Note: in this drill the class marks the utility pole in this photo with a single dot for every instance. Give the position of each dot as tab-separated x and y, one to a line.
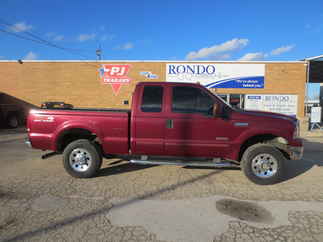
99	53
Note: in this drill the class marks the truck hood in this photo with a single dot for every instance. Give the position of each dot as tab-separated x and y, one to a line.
263	114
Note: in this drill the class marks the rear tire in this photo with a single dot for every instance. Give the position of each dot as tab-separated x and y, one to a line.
81	159
263	164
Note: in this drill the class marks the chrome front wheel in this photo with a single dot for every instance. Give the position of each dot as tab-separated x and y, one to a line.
264	165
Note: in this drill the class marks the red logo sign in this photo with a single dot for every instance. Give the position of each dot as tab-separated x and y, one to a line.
115	75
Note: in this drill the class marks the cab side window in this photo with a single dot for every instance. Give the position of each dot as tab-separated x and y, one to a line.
191	100
152	99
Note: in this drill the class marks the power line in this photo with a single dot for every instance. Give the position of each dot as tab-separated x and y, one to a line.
20	36
33	35
36	41
39	40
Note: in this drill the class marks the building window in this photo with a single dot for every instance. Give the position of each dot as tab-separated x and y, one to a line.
223	96
237	100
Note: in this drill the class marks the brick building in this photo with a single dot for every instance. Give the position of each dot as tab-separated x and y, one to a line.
272	86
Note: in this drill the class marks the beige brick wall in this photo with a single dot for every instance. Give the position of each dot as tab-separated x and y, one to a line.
72	82
78	83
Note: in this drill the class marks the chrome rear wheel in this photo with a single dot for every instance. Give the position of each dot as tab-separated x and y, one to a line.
80	159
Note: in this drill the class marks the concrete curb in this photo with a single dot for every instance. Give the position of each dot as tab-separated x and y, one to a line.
12	134
9	138
316	133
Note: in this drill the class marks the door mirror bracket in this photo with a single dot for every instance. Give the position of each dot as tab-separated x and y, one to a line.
216	110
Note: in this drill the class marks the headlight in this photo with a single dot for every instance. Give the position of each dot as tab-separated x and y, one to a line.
282	140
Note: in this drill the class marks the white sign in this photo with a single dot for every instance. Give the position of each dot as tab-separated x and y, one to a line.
218	75
315	114
285	104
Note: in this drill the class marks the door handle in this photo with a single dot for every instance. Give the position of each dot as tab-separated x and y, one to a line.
169	124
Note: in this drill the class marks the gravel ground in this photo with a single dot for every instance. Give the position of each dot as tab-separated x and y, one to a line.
39	201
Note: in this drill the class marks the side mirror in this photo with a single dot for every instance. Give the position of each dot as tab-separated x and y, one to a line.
216	110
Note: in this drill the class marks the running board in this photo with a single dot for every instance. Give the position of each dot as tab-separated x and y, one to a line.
186	163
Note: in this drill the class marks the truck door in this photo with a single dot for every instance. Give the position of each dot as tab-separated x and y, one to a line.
192	130
148	122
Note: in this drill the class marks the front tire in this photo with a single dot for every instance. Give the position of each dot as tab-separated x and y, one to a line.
81	159
263	164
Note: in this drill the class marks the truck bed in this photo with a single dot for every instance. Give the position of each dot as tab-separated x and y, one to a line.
111	126
91	109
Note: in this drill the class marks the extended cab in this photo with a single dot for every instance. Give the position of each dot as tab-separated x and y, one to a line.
170	123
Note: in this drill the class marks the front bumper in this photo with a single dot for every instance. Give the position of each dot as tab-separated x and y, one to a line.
295	152
28	143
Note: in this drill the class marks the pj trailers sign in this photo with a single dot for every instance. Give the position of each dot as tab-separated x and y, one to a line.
115	74
218	75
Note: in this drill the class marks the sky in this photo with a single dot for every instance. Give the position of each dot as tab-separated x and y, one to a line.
161	30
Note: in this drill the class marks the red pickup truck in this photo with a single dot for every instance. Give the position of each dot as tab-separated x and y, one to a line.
170	123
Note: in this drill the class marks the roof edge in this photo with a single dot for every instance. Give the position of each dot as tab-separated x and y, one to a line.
163	61
313	58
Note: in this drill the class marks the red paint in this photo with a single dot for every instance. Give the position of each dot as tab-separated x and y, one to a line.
147	133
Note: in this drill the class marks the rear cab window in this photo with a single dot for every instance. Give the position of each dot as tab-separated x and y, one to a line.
152	99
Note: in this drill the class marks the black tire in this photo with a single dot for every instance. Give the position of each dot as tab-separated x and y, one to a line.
263	164
81	159
12	121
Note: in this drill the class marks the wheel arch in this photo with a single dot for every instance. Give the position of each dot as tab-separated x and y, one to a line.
278	141
69	135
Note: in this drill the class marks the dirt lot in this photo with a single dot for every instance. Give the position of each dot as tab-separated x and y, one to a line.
40	202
